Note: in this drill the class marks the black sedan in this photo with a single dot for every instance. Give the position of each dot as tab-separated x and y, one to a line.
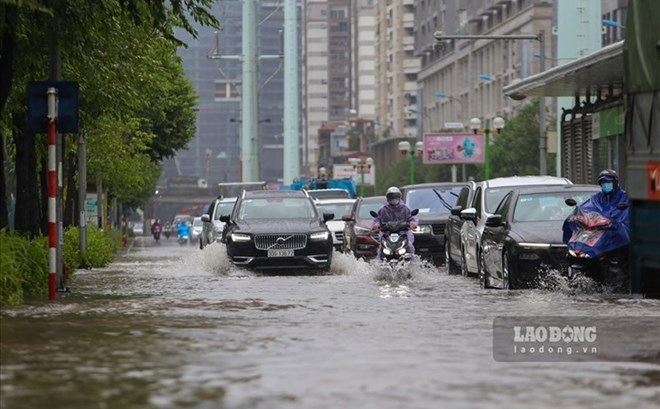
434	201
278	230
523	237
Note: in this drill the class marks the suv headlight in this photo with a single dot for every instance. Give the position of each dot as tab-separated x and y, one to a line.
422	230
238	237
322	235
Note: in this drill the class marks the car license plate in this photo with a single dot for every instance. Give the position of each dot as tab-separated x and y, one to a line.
280	253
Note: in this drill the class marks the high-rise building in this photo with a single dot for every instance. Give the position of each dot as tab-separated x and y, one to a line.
396	69
461	79
215	152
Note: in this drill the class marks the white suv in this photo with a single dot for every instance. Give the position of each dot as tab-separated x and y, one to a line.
212	227
486	198
339	207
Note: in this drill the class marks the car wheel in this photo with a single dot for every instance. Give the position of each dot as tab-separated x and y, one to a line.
451	265
506	272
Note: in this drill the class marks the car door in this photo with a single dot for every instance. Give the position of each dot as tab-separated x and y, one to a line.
469	234
454	224
494	237
349	236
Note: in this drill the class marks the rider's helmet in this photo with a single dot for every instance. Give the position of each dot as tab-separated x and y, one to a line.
608	175
393	195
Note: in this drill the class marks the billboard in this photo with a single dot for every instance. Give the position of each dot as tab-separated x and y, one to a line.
341	171
449	148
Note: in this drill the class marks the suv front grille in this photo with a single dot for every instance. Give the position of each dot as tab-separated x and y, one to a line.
280	241
438	228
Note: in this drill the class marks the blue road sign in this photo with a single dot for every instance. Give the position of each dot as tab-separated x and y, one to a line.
67	106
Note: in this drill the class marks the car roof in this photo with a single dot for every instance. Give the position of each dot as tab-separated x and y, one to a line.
335	201
515	181
258	194
434	185
557	188
373	199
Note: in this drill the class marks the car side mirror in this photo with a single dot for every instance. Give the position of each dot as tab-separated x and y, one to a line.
570	202
206	218
224	218
469	214
415	212
622	206
494	220
328	216
456	210
347	218
373	214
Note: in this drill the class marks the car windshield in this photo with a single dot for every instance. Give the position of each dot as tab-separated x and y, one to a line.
494	196
543	207
433	200
365	208
197	222
223	209
277	209
339	209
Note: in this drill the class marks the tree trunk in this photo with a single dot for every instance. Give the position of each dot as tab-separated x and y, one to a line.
4	215
9	21
28	214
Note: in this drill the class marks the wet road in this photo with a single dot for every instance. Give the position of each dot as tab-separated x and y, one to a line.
175	327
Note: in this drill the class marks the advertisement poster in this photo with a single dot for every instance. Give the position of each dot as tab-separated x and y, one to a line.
447	149
92	209
340	171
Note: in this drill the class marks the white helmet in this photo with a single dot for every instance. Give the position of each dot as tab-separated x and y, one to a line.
392	191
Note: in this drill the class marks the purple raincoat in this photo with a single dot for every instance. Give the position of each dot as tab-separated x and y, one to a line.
389	213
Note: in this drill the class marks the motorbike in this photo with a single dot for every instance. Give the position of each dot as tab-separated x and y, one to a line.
597	247
183	237
393	248
167	232
156	232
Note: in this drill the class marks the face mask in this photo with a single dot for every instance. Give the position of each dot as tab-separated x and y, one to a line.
394	202
607	187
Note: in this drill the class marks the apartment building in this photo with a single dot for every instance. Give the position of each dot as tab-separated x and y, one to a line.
396	69
461	79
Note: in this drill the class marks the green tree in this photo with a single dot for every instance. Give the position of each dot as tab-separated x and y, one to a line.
515	151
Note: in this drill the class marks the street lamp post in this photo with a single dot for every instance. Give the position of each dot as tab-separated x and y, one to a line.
361	165
404	148
475	125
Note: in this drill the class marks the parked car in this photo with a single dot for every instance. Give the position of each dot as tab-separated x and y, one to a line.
278	229
434	201
524	234
138	228
487	196
329	194
212	227
359	239
196	229
338	207
452	243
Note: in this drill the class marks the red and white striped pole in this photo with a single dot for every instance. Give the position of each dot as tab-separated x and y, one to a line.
52	194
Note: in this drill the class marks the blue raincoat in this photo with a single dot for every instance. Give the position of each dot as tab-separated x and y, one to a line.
616	236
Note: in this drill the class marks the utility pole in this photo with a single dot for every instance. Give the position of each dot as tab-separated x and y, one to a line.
250	139
291	114
543	141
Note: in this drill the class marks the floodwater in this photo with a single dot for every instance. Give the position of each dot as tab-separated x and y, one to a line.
172	326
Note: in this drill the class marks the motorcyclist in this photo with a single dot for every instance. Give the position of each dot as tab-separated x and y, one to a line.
167	229
609	202
183	229
156	228
395	210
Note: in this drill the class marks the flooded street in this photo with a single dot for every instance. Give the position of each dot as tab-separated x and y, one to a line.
171	326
